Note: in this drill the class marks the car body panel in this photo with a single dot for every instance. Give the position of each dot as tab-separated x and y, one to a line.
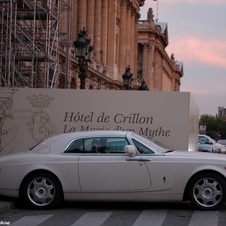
159	176
112	173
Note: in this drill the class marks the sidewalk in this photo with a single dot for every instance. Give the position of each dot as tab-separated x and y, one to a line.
6	206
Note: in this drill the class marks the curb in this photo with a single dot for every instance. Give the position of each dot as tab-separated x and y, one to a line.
6	206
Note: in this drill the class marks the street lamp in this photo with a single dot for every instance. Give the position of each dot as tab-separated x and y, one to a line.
143	86
127	78
83	52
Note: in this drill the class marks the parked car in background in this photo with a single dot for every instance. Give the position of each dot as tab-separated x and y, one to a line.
223	142
207	144
208	148
112	166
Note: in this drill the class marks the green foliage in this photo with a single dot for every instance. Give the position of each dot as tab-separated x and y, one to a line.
215	126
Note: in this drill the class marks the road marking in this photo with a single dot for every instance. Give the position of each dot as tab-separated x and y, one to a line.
31	220
92	218
204	218
151	218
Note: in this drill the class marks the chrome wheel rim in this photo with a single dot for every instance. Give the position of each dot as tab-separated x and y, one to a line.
207	192
41	191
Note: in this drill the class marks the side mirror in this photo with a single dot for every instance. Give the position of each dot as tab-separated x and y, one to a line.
130	150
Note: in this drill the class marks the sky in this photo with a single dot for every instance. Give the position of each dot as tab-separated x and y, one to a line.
197	37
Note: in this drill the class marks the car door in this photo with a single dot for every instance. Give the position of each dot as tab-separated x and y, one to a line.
161	169
111	170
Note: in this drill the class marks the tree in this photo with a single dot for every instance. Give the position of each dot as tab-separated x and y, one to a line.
215	126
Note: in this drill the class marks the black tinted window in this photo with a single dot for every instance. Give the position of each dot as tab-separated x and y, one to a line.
98	145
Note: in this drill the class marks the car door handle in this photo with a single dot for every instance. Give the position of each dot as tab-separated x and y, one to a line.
138	160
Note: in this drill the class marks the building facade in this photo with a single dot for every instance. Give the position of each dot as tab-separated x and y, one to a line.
112	27
221	112
155	67
37	45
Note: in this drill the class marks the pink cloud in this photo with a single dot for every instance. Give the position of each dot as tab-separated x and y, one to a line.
191	49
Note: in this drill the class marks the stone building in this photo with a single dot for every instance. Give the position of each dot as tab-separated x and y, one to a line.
221	112
159	71
117	35
38	36
112	26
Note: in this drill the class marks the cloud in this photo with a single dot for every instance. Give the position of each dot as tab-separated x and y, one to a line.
192	49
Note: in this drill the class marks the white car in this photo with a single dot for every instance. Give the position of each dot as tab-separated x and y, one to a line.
112	166
207	144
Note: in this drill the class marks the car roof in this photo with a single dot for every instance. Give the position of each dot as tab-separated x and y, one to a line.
96	133
60	141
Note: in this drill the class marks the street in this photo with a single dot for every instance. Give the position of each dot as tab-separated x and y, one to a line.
115	214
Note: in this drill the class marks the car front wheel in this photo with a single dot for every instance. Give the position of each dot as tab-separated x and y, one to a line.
41	191
207	191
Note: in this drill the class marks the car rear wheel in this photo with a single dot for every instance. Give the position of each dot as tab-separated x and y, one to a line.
41	191
207	191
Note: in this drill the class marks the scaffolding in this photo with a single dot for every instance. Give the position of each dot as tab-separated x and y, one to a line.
29	34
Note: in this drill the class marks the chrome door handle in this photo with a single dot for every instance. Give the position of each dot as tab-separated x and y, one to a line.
138	160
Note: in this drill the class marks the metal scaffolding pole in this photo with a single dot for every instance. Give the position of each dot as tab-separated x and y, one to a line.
29	43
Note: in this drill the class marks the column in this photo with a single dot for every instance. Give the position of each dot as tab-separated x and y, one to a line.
82	12
74	20
122	38
150	79
128	38
90	19
113	42
135	42
104	29
145	62
97	30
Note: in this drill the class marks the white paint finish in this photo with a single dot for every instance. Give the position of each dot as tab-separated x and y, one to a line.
112	173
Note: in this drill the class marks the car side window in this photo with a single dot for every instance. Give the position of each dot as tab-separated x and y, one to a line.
116	144
98	145
105	145
204	140
75	147
141	148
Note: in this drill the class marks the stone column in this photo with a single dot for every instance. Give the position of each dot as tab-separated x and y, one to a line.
122	38
135	42
90	19
63	16
82	12
150	78
113	42
157	71
128	38
97	30
145	62
74	20
104	30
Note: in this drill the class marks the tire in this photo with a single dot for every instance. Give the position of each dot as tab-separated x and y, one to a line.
207	191
41	191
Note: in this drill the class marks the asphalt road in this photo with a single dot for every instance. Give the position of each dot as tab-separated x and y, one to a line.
115	214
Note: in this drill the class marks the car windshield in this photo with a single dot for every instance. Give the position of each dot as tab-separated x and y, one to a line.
151	144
